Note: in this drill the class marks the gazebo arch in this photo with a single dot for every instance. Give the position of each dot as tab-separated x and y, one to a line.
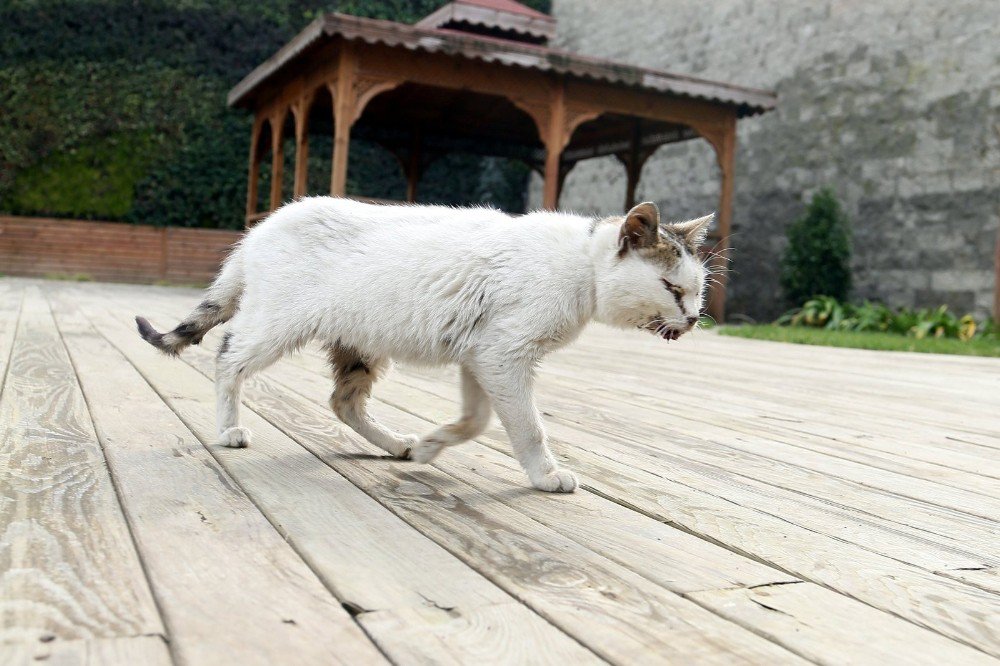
419	123
260	145
473	49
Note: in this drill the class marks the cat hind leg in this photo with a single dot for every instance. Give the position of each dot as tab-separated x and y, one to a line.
241	355
354	376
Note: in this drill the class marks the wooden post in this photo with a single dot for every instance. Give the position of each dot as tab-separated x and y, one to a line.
413	168
343	118
253	176
277	158
725	150
555	141
633	166
301	148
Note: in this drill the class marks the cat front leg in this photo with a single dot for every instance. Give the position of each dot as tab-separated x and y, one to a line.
474	420
510	387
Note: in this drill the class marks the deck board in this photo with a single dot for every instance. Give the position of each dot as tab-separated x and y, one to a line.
742	501
70	568
370	559
211	552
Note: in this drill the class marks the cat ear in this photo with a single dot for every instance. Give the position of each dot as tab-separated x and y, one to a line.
641	228
693	231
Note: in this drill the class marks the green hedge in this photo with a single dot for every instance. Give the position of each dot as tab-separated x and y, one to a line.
116	110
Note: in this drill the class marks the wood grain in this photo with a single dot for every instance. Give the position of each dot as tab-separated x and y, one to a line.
231	588
828	628
70	569
749	498
367	556
133	651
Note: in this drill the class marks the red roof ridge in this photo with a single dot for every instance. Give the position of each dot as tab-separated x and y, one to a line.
511	6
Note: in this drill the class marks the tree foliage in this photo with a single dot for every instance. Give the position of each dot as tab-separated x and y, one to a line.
817	259
115	109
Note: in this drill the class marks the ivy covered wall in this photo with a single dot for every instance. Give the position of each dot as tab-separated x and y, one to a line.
115	110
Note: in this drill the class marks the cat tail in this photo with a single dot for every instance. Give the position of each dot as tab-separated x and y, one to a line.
219	305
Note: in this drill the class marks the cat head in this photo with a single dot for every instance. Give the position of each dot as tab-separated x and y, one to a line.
655	281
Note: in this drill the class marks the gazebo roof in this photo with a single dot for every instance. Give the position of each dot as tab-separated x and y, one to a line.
501	18
503	52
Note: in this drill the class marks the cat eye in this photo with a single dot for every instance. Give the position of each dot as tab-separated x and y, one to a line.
672	288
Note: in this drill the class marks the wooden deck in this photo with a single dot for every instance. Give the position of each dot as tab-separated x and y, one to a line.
742	501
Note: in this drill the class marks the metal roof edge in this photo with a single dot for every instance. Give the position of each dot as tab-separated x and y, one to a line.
308	36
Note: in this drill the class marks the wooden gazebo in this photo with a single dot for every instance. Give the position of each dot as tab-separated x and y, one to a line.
476	76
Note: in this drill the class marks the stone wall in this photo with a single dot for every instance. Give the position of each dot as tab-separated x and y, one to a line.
894	104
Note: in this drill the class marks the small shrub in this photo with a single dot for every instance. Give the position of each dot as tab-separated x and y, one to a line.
828	313
817	259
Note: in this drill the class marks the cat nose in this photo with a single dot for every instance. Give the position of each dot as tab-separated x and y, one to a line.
692	321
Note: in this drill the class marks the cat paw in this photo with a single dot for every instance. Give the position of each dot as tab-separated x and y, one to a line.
559	481
403	449
235	438
426	450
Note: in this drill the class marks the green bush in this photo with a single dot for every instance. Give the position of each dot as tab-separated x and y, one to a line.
111	109
828	313
817	259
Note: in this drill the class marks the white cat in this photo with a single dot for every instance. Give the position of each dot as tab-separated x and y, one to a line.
491	292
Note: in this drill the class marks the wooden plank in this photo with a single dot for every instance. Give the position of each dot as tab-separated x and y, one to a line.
931	399
622	393
70	568
959	518
832	514
963	613
682	562
987	578
367	556
887	423
206	547
960	612
823	627
621	616
11	296
144	650
822	393
891	425
875	374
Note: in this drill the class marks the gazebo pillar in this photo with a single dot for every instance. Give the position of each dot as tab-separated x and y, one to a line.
277	158
725	150
343	118
301	112
555	140
633	167
253	176
633	160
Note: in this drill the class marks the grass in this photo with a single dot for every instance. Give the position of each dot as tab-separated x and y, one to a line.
877	341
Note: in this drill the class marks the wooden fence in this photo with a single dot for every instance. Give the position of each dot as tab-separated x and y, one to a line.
110	251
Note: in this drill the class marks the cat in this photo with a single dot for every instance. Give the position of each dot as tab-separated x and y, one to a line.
491	292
